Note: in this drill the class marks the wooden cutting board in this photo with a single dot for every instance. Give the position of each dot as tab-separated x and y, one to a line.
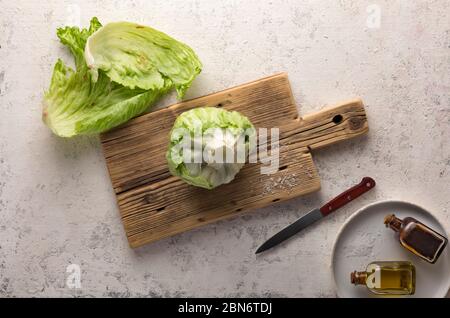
154	204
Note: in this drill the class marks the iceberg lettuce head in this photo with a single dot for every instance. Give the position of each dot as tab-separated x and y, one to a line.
209	146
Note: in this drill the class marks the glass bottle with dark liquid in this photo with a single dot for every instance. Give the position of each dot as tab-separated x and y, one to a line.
387	278
417	237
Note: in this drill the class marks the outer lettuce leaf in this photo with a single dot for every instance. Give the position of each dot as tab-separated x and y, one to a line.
198	121
74	104
141	57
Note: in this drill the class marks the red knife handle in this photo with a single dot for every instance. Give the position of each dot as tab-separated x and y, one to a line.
366	184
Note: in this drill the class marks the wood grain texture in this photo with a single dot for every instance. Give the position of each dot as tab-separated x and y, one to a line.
154	204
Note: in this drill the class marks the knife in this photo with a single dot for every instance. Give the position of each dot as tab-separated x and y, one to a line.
365	185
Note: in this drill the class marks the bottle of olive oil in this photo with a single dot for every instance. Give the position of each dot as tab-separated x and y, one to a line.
417	237
387	278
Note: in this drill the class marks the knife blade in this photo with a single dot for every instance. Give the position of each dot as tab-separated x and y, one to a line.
313	216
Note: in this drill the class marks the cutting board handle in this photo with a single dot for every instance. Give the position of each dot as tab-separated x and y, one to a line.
328	126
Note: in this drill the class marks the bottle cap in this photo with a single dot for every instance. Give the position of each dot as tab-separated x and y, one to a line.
388	219
393	222
353	277
358	278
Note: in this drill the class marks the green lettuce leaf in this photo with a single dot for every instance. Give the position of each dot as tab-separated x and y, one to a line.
75	104
137	56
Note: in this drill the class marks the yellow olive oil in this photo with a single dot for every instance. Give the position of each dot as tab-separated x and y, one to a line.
387	278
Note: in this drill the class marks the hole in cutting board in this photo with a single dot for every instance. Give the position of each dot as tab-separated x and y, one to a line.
276	200
337	119
160	209
223	103
283	168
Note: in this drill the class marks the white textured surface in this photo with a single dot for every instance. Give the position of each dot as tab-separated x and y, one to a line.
56	203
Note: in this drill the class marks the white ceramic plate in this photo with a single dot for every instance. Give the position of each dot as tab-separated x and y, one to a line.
364	238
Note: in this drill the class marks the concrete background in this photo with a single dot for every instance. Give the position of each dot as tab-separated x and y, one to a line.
56	203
